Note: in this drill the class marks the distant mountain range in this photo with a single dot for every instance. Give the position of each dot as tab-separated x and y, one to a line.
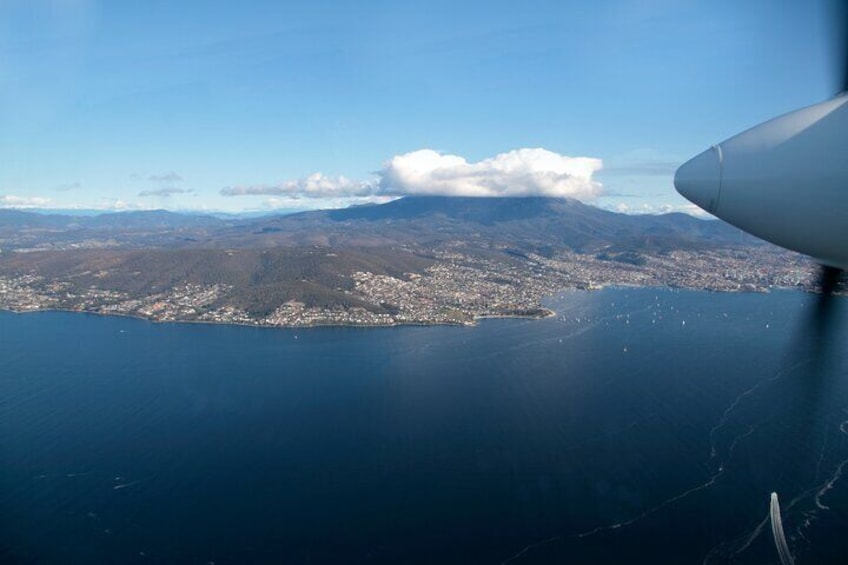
535	223
146	219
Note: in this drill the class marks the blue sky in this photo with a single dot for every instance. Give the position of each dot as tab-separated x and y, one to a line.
251	105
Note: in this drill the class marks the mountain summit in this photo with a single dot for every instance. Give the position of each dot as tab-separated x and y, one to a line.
529	222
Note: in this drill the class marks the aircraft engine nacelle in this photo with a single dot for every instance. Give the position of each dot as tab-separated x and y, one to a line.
785	181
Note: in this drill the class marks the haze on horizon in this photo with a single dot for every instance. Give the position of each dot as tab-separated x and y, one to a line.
248	106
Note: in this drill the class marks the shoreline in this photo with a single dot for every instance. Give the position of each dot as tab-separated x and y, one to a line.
548	313
544	312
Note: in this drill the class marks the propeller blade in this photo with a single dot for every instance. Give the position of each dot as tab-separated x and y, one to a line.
777	532
840	44
817	332
829	279
828	283
813	349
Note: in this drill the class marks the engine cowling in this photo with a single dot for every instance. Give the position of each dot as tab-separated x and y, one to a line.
785	181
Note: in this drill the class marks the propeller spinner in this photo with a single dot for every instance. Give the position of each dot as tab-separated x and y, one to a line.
785	181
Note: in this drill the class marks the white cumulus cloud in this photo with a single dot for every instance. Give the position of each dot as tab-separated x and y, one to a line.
521	172
118	205
166	192
170	177
12	201
648	208
315	185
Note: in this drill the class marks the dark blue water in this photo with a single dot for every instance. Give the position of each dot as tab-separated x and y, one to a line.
636	426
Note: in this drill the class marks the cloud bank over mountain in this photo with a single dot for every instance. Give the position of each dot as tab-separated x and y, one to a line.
521	172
